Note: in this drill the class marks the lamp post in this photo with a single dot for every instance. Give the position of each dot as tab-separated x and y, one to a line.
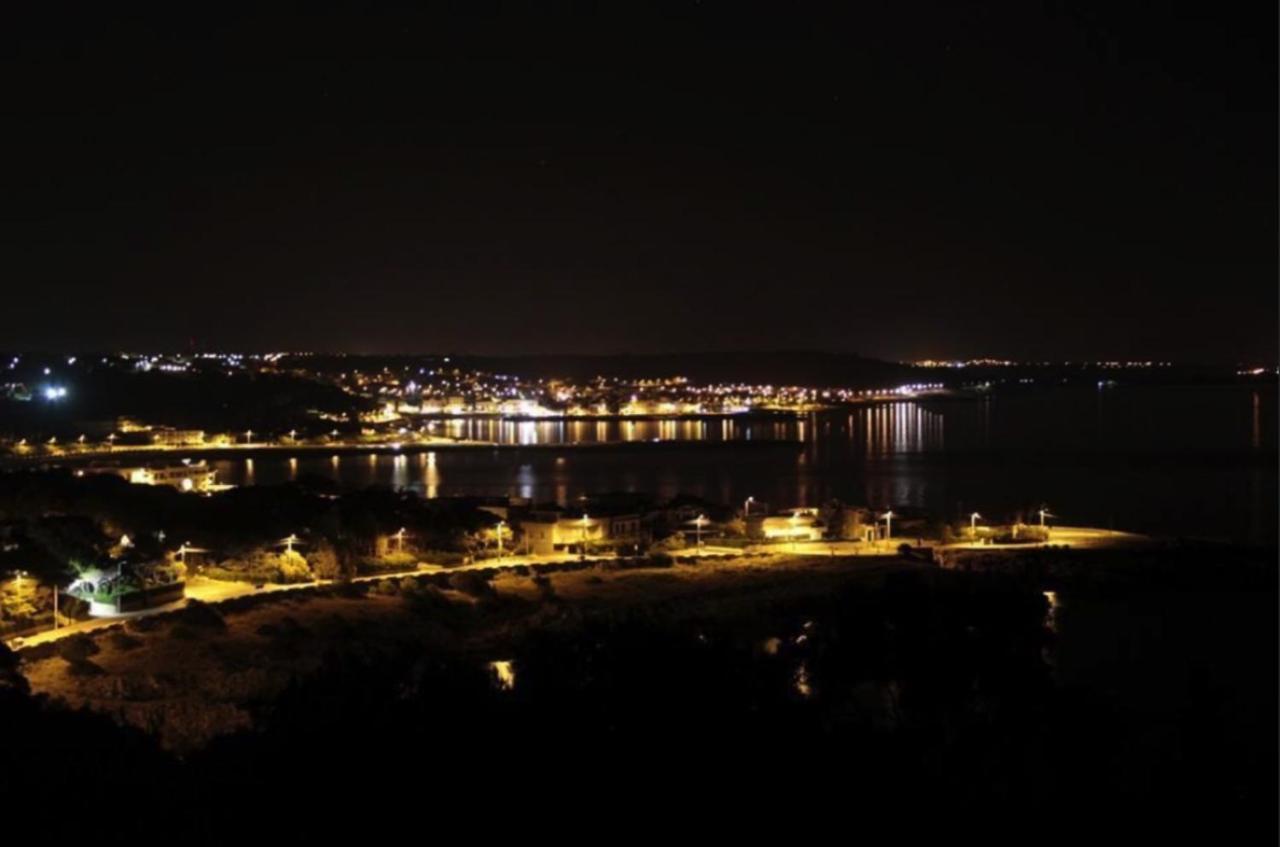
698	522
888	523
1044	513
399	537
289	542
794	520
498	529
746	507
973	524
582	548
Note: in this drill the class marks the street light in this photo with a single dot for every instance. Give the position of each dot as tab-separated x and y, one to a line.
794	520
698	523
888	523
399	537
498	529
582	550
746	506
1045	513
973	524
289	542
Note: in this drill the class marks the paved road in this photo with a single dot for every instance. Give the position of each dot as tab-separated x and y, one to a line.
218	591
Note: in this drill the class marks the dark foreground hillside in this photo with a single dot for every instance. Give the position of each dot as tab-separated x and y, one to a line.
1140	702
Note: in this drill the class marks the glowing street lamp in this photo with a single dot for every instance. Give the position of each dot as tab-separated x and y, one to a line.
187	548
498	530
746	507
698	523
399	537
1045	513
248	436
582	550
973	523
888	523
289	542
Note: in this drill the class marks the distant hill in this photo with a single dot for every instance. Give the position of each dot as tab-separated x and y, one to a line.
775	368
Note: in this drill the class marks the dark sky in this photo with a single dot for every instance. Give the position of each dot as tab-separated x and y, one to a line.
899	179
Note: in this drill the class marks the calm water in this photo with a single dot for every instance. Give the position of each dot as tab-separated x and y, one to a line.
1194	461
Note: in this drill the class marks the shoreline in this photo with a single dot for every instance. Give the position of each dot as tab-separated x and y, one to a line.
287	450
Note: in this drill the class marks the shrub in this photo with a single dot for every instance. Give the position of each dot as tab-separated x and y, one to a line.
386	587
123	641
84	667
78	648
184	632
473	583
200	615
546	590
292	567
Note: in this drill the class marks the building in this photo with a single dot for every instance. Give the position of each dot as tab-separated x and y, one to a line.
188	476
177	437
545	532
794	525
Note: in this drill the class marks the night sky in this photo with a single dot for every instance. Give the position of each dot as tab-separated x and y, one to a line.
900	180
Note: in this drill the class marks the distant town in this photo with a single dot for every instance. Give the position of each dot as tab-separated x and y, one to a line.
99	405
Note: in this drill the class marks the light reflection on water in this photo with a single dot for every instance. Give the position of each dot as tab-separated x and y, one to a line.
895	427
1000	455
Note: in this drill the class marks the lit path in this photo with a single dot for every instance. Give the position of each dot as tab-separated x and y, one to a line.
215	591
1073	536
